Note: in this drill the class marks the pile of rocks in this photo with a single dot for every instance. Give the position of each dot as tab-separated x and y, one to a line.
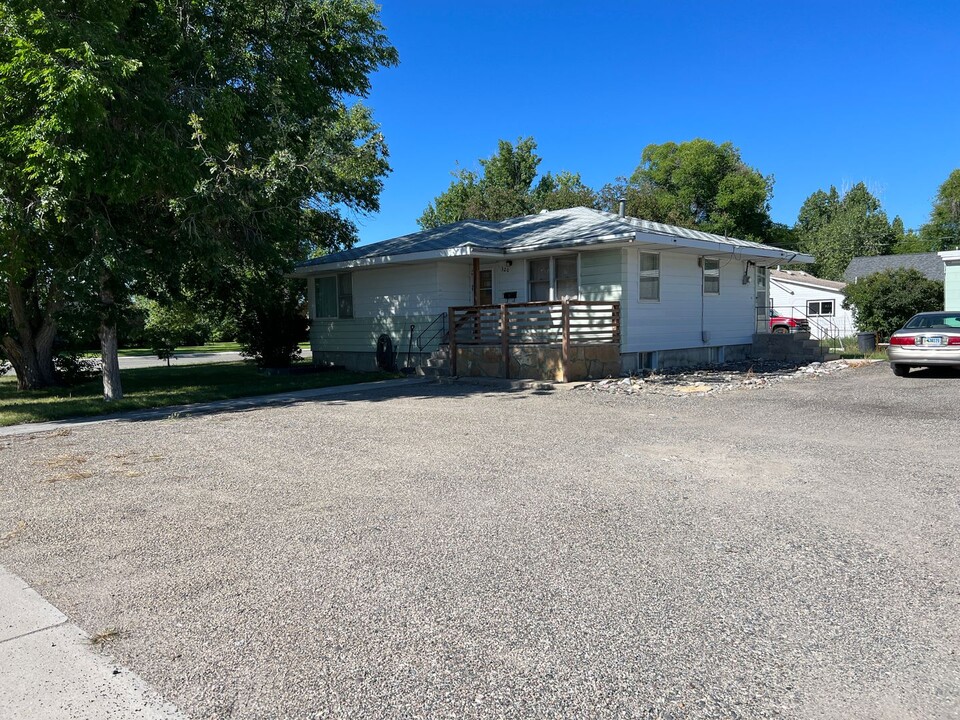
680	382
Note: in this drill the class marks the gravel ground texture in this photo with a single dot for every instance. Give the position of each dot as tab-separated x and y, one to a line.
456	551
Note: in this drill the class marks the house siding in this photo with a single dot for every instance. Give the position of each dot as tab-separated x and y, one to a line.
388	301
951	286
675	321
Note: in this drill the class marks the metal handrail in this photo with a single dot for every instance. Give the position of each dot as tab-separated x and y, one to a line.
826	327
439	331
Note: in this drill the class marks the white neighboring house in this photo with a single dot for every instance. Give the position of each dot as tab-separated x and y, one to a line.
794	293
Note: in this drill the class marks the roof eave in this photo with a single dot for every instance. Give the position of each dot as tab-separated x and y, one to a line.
467	250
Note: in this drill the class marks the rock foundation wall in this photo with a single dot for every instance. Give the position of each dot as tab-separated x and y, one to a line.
539	362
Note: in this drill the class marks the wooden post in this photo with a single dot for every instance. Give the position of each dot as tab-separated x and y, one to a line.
453	341
476	281
476	299
505	340
565	343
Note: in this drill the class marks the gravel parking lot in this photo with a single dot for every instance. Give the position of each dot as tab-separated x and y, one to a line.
454	551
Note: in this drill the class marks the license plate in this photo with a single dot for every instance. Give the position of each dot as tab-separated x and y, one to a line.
933	341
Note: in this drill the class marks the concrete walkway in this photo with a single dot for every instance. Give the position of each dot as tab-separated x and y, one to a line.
49	669
234	405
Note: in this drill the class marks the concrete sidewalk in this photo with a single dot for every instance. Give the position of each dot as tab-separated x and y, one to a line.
49	669
234	405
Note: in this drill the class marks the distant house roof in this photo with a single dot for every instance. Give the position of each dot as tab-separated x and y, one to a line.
802	278
572	227
929	264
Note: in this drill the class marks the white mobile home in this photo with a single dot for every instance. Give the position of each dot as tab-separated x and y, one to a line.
797	294
608	293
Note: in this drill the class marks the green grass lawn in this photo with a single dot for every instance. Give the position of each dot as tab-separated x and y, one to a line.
158	387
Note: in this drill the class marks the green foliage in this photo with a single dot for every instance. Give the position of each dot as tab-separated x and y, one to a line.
273	320
884	301
942	232
506	189
697	184
836	228
150	147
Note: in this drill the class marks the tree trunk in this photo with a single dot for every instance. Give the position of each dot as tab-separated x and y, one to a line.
112	389
29	346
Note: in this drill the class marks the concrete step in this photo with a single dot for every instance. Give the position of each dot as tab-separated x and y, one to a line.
437	372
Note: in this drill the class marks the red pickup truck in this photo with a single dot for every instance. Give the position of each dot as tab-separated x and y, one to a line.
782	325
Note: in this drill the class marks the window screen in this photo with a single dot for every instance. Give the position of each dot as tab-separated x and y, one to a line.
325	289
649	276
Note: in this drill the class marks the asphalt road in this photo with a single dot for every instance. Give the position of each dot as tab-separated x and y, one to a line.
458	552
193	358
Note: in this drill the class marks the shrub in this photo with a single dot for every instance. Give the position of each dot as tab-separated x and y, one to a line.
73	369
273	322
884	301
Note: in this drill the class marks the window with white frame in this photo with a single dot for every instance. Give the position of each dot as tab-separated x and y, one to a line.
553	278
565	272
711	276
649	277
325	297
333	296
344	295
820	308
539	280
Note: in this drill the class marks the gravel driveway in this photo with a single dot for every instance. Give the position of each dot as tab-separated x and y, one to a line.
452	551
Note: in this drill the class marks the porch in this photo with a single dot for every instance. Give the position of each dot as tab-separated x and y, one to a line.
561	340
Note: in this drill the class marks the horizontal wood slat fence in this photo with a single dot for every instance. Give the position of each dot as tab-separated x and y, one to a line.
563	323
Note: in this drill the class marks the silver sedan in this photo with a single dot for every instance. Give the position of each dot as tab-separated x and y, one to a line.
928	339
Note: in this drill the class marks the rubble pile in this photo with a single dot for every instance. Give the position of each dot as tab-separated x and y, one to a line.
754	374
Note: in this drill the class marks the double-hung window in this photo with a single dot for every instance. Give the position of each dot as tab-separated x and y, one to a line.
711	276
539	280
553	278
333	296
649	277
567	285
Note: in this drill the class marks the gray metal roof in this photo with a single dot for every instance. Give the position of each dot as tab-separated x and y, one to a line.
799	276
929	264
556	228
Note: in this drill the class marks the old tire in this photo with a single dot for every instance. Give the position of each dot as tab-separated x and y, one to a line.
781	330
900	370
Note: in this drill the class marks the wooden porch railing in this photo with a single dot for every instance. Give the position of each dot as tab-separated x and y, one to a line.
563	323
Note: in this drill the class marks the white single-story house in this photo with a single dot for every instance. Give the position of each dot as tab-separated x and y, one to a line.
951	279
575	292
794	293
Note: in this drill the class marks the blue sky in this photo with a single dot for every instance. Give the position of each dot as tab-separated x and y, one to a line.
815	93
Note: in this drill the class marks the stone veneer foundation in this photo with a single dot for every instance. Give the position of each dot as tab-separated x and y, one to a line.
539	362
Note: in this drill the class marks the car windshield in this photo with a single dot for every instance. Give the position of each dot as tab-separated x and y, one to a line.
936	321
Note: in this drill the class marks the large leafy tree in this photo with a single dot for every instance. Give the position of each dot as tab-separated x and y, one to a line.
505	188
697	184
884	301
942	232
835	228
149	145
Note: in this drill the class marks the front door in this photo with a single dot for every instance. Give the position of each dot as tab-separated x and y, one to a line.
485	288
762	289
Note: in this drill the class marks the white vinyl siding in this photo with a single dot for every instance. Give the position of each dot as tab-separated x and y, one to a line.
675	321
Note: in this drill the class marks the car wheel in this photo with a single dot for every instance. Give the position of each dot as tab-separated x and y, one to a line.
900	370
781	330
